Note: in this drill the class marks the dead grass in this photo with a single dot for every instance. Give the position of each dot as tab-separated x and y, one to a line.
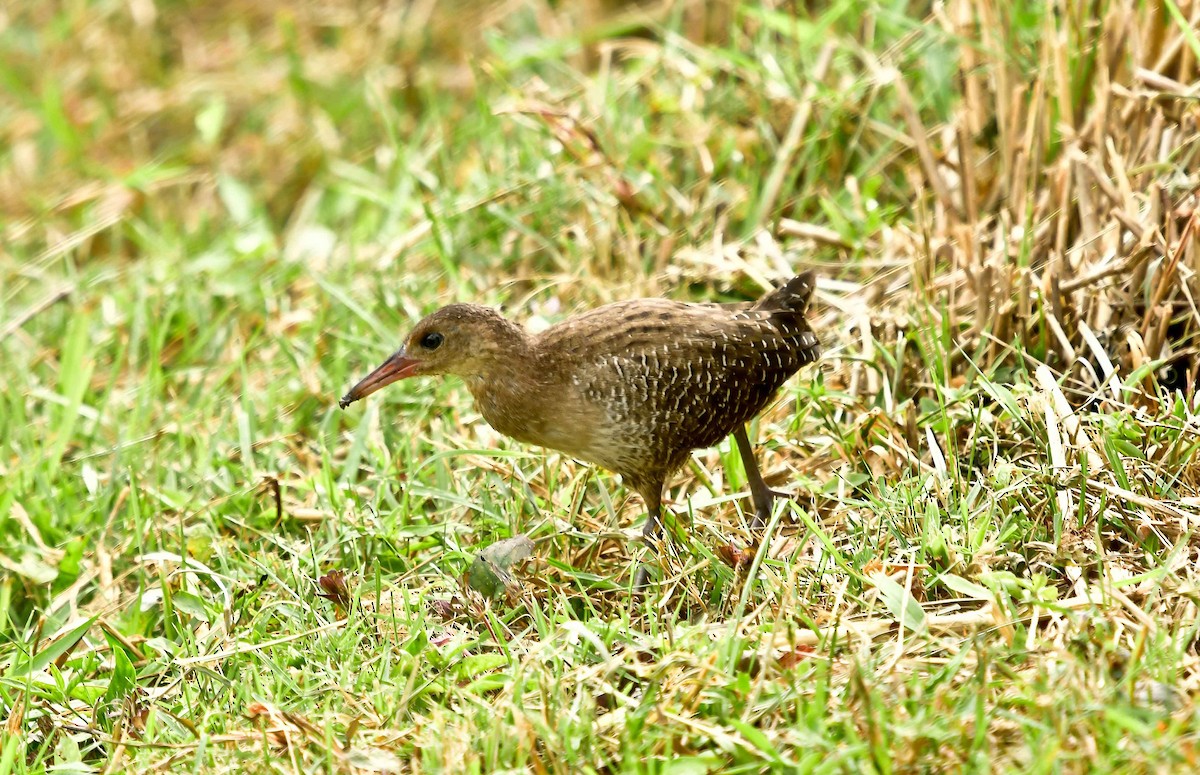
214	216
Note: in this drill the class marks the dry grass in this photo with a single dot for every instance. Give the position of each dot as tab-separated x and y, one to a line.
216	216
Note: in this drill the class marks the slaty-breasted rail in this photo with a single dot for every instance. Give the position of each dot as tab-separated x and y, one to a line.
633	386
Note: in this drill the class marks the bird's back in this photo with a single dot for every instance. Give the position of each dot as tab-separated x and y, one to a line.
668	377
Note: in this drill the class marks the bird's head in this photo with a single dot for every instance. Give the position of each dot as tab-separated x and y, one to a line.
465	340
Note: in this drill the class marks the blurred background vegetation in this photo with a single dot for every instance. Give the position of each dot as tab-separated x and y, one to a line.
214	216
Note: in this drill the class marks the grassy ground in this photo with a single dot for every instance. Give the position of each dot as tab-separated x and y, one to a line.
217	216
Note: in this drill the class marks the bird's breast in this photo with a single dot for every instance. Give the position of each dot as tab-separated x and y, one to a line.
551	416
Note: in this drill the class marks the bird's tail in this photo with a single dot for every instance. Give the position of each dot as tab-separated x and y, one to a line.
792	296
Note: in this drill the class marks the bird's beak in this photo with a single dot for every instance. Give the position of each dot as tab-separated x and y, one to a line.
392	370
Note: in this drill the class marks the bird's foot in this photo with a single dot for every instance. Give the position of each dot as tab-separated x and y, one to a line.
762	514
641	579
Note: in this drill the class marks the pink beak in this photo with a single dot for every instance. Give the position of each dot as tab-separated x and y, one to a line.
392	370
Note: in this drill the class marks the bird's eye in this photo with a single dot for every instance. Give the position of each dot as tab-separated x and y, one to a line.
432	340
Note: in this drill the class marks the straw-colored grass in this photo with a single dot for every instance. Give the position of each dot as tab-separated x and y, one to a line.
216	216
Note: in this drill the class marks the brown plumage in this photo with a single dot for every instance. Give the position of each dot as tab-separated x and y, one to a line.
633	386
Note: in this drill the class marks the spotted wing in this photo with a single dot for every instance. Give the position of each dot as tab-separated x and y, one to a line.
675	377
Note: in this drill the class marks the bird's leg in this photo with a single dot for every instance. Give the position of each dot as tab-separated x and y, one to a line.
760	493
652	494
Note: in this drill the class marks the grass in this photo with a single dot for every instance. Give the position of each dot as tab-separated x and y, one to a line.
217	218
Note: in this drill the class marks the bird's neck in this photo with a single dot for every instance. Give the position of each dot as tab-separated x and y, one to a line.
516	394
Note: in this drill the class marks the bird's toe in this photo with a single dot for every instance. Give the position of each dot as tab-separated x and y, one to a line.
641	578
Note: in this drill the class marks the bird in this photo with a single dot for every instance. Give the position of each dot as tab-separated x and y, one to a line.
632	386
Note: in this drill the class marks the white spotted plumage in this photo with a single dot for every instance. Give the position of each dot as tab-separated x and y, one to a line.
632	386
